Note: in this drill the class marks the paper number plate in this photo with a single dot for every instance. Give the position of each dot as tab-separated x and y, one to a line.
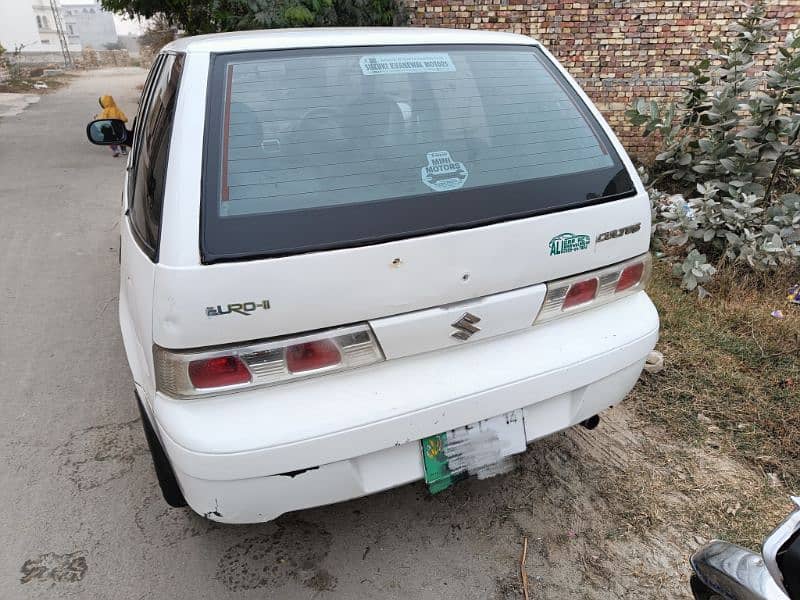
481	449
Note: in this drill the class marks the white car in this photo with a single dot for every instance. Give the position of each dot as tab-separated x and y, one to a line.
357	258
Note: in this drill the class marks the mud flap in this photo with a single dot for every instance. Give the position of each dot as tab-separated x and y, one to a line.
166	476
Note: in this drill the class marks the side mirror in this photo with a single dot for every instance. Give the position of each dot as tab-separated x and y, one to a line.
107	132
723	570
781	552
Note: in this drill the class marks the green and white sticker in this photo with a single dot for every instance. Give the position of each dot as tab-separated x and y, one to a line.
565	243
390	64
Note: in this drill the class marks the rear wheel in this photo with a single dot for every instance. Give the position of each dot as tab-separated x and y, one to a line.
164	473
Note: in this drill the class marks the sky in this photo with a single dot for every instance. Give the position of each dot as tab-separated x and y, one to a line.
124	26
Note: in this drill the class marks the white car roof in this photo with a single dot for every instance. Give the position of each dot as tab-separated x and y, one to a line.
322	37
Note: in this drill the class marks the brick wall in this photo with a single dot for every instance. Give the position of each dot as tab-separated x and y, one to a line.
618	50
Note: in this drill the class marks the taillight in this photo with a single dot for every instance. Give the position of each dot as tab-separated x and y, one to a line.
630	276
218	372
566	296
193	373
312	355
580	292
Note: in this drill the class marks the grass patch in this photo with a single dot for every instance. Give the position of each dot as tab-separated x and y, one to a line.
26	85
707	448
732	376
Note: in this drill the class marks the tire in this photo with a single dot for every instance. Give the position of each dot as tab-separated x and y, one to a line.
701	591
166	476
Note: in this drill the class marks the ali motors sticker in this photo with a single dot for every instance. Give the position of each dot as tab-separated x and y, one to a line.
443	173
390	64
568	242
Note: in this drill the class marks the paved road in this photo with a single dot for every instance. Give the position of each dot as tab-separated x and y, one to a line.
82	516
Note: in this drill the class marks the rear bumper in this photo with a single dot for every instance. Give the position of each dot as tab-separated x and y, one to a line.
358	431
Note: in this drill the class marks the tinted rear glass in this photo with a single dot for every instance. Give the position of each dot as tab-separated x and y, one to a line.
337	147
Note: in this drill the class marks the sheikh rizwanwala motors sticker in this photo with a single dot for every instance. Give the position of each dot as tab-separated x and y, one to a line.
393	64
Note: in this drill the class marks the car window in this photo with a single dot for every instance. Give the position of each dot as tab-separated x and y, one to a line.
151	151
140	116
341	146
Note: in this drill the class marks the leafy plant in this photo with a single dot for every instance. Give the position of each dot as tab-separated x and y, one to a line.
357	13
731	146
694	271
258	14
211	16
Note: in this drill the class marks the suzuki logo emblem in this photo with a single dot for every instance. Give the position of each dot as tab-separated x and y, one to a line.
466	327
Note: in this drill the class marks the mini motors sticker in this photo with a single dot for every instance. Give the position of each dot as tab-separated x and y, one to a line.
568	242
390	64
443	173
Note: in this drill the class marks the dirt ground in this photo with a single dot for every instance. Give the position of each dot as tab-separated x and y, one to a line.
609	513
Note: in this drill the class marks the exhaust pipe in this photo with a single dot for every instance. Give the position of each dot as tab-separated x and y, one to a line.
591	422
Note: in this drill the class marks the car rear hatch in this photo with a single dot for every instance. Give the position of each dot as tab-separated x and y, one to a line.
411	188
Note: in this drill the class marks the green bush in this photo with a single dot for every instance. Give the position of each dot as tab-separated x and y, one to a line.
730	150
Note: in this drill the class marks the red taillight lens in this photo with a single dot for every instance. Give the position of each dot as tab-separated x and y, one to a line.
580	293
599	287
203	372
312	355
630	276
218	372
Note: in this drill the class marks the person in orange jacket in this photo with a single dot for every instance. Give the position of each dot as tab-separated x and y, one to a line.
112	111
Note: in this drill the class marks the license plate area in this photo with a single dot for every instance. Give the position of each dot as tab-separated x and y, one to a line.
482	449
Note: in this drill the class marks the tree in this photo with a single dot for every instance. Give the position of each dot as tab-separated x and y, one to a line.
360	13
159	32
212	16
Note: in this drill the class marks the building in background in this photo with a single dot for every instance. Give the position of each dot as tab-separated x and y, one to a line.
131	44
45	25
29	26
94	25
71	31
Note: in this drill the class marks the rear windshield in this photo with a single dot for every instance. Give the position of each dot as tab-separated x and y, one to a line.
318	149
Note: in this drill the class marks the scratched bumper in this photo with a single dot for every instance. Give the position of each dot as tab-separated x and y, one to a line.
261	499
251	456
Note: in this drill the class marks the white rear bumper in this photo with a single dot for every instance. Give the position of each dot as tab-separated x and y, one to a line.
358	432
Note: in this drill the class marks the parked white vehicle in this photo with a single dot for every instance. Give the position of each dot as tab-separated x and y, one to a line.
357	258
